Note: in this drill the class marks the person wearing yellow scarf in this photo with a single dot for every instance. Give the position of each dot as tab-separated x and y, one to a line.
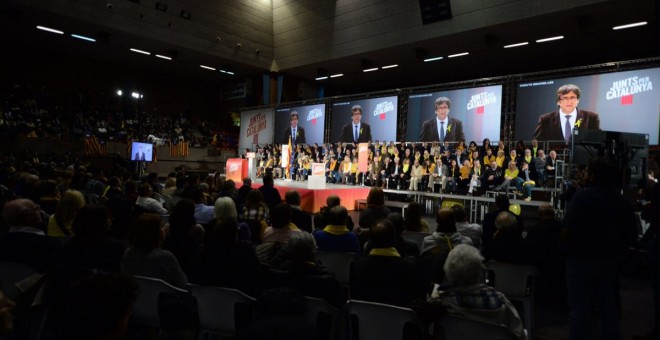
384	276
336	237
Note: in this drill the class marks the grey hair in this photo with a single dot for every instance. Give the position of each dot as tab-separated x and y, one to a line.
225	209
464	266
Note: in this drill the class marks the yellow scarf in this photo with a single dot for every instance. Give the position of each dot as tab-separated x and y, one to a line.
391	251
336	229
405	167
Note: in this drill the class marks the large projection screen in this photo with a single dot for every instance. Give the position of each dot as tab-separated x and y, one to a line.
478	109
311	119
380	113
624	101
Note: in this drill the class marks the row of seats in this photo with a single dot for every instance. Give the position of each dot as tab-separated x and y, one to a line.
217	308
515	281
221	311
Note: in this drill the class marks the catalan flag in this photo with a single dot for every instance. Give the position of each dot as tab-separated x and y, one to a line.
288	164
179	149
92	146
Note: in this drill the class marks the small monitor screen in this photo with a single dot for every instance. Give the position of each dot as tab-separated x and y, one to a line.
142	151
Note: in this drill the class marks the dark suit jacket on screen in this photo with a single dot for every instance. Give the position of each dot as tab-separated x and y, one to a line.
429	131
347	133
549	124
299	140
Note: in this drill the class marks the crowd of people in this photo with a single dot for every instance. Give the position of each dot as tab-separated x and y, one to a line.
37	113
69	221
457	168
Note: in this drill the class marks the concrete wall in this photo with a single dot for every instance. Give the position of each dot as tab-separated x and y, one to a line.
311	31
249	22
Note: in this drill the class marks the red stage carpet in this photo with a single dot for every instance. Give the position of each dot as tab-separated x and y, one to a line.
314	199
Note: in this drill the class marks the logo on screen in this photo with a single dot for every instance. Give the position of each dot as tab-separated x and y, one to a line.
313	115
257	123
480	100
624	89
382	108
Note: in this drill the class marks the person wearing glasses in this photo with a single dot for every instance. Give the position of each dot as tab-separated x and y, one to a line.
356	131
559	124
442	128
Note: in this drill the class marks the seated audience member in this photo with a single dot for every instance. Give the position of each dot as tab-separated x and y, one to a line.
321	217
49	196
489	228
375	210
475	176
90	248
144	256
95	305
413	222
186	236
255	208
300	218
383	275
7	307
145	201
507	244
241	194
464	176
301	271
121	210
405	247
465	228
26	241
438	173
453	175
468	295
203	212
445	238
539	166
282	228
510	175
550	165
225	210
270	195
524	182
543	242
336	237
228	261
170	187
416	175
60	223
492	177
332	170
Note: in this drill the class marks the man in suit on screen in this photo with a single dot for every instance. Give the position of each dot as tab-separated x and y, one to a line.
442	128
356	131
559	124
294	131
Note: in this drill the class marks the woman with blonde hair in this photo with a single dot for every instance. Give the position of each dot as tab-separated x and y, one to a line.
61	222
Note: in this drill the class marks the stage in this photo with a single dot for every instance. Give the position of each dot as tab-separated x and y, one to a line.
313	199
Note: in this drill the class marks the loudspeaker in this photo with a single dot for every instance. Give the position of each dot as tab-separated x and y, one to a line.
434	10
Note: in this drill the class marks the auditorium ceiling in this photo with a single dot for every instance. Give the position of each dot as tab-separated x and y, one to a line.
588	39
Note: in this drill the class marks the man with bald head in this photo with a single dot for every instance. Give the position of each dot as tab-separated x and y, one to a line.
26	242
446	236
